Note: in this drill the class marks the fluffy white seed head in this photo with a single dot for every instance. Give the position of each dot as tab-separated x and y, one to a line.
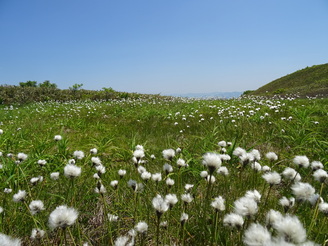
36	206
19	196
78	154
6	240
233	220
271	156
301	161
58	138
37	234
245	206
168	154
320	175
315	165
62	217
291	174
223	170
187	198
212	161
160	204
239	151
218	203
272	178
253	194
302	191
141	227
169	182
256	234
54	175
72	171
181	163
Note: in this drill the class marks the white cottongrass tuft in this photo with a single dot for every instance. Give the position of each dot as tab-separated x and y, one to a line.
223	170
253	194
233	220
239	151
323	208
287	203
271	156
146	175
167	168
184	217
72	171
171	199
291	174
204	174
37	234
245	206
320	175
93	151
222	143
62	217
8	240
301	161
272	178
266	169
139	154
187	198
112	217
302	191
19	196
212	161
168	154
114	184
156	177
96	161
78	154
272	217
256	234
21	157
141	227
54	175
218	204
291	229
188	187
58	138
256	154
36	206
121	172
160	205
315	165
169	182
42	163
256	166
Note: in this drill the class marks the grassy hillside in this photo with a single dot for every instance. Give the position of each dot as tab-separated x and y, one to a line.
309	81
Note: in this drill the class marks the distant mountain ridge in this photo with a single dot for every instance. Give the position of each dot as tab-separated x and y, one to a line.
309	81
209	95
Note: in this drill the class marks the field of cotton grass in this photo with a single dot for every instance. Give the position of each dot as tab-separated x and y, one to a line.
165	171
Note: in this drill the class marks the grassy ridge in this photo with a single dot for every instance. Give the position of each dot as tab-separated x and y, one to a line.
309	81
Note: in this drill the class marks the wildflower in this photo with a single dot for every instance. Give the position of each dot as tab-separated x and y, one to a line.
37	234
257	234
210	179
34	180
112	217
58	138
146	175
181	163
291	174
72	171
93	151
272	178
291	229
320	175
223	170
168	154
1	210
256	154
36	206
184	217
246	158
139	147
212	161
287	203
101	169
302	191
71	161
42	163
78	154
272	217
9	241
323	207
271	156
204	174
163	224
225	157
245	206
315	165
122	241
21	157
301	161
167	168
19	196
239	151
233	220
188	187
169	182
100	188
95	161
266	169
7	190
171	199
54	175
122	173
62	217
1	131
141	227
222	143
153	157
314	199
178	150
114	183
255	195
139	154
256	166
187	198
218	203
141	169
156	177
160	205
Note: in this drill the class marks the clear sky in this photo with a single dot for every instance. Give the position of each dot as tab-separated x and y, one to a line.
160	46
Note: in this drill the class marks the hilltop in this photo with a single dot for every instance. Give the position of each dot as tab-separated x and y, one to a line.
309	81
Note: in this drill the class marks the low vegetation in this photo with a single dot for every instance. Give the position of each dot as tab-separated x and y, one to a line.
164	171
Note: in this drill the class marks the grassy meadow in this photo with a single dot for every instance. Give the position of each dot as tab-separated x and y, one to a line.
165	171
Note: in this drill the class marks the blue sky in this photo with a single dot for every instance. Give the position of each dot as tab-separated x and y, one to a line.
157	46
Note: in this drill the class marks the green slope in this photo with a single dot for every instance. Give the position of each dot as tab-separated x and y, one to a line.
309	81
